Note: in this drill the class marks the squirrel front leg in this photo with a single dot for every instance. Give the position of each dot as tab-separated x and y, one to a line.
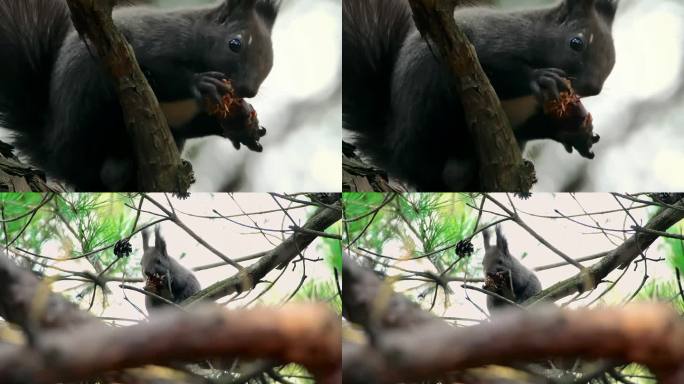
186	99
214	110
574	132
184	116
570	124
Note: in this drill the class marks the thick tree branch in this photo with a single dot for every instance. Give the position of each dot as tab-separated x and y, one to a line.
18	177
371	303
69	344
159	164
647	334
501	164
20	290
304	334
29	303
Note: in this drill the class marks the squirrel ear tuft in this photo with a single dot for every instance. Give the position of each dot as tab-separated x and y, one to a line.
146	239
485	238
607	9
268	10
501	241
585	4
159	241
228	7
234	5
573	9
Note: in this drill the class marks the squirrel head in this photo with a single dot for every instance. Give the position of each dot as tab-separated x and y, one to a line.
580	37
239	32
497	253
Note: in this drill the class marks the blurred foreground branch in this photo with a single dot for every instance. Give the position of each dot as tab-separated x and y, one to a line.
64	343
304	334
401	350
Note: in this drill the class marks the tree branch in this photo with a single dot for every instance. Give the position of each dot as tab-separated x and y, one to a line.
159	166
304	334
501	164
66	343
18	177
278	256
642	333
621	256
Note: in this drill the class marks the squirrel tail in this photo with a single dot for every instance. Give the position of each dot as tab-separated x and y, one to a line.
373	32
31	33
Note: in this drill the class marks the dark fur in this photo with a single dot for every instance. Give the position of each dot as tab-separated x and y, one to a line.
397	97
497	259
56	98
176	282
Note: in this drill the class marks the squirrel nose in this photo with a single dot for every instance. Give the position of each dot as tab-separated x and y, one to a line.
246	91
590	90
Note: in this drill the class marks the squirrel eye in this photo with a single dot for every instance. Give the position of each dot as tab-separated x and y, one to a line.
577	44
235	45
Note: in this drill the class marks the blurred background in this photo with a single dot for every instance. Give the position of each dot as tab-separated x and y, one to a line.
638	114
299	103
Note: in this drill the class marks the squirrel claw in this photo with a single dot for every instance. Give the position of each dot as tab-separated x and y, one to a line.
211	85
548	83
242	128
568	147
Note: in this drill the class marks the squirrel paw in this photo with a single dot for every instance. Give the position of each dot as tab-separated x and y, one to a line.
237	117
212	86
572	125
243	127
548	83
582	138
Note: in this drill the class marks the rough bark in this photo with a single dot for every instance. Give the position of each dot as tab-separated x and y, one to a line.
160	168
18	177
304	334
502	168
358	176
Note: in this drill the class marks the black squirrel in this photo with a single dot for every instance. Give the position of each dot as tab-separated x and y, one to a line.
164	276
505	275
397	95
60	104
